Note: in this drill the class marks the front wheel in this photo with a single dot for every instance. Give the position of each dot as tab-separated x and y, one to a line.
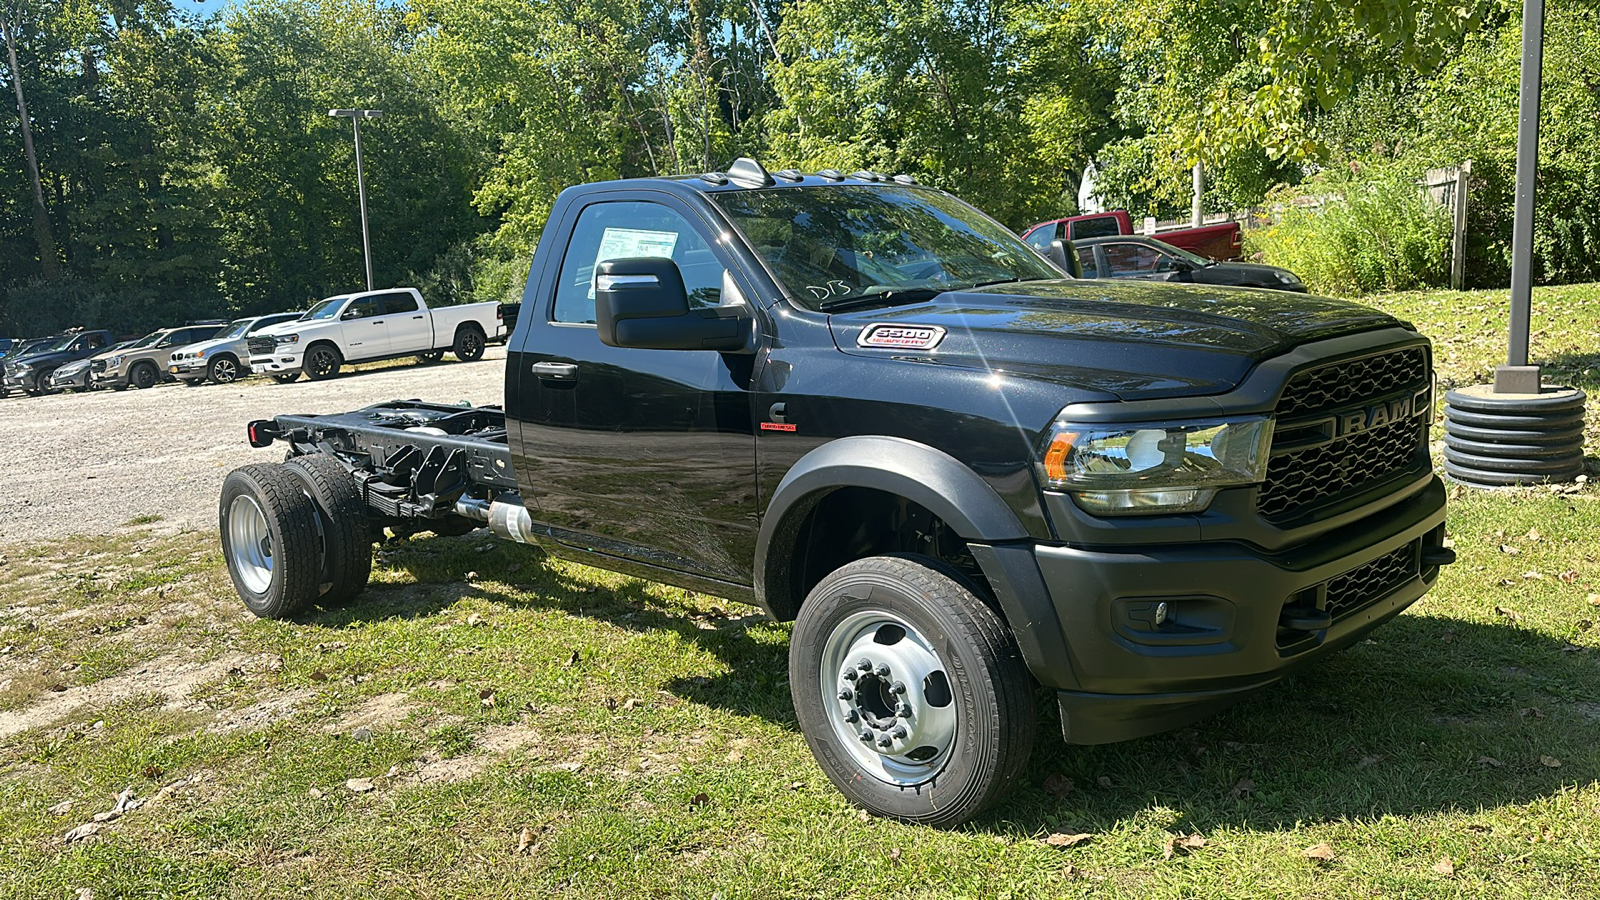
322	361
469	345
143	376
223	370
910	691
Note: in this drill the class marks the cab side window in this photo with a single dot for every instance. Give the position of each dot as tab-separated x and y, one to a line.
1086	259
394	304
625	229
1131	259
1042	237
365	308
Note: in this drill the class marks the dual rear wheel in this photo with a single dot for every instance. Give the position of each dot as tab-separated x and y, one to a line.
294	533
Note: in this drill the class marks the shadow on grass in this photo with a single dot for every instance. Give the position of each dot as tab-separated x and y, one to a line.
1428	715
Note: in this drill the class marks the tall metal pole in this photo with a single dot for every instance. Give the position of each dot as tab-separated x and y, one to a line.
355	116
1517	376
361	189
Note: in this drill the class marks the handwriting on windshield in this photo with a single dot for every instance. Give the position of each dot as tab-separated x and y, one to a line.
834	288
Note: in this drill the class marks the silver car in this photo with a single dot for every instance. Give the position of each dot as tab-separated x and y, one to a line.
221	360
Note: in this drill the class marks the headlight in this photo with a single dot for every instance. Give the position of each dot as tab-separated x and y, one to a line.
21	368
288	338
1149	469
113	362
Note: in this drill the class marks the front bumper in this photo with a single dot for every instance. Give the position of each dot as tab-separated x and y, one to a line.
25	382
1238	616
107	377
189	368
277	364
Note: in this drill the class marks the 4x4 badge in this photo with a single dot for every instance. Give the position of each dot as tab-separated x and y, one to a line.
901	337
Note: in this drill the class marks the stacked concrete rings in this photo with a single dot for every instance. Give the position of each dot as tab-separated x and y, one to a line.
1503	440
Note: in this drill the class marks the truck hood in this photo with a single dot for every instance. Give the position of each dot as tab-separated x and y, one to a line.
289	327
1130	340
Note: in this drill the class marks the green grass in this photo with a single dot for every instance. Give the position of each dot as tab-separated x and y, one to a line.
1429	741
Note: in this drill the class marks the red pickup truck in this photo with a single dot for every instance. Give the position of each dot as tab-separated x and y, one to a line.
1221	241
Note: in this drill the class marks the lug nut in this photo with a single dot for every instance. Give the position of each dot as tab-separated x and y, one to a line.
850	715
900	732
885	741
899	687
850	675
864	664
882	671
866	735
846	694
903	710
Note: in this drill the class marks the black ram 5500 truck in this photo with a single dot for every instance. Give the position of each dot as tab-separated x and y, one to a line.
864	406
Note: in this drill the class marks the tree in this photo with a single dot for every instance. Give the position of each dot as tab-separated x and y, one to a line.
10	25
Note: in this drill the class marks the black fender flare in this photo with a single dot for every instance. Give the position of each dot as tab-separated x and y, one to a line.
945	487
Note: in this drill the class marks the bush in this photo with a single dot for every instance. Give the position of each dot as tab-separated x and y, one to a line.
1381	234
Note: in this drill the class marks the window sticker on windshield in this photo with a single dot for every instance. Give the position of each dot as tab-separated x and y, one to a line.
631	243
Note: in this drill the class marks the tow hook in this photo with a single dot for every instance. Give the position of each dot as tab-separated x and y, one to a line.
1438	556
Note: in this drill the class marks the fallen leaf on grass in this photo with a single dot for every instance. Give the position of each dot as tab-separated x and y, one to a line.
1508	549
524	841
1550	762
894	855
61	809
1570	576
1531	712
1594	599
1176	843
359	785
474	620
1243	788
700	799
319	675
1445	866
486	698
1490	762
1511	614
1104	781
1067	838
315	794
1533	534
1533	576
1321	853
572	660
1058	785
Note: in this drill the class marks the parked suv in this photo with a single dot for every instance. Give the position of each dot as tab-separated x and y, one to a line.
224	358
74	376
145	363
31	371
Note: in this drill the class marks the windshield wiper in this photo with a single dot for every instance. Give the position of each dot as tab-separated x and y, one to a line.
1011	280
893	295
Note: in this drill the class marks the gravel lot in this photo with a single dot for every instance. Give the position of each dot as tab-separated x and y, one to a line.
88	463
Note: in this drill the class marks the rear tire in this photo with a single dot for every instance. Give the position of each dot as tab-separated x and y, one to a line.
469	344
269	539
955	736
346	532
322	362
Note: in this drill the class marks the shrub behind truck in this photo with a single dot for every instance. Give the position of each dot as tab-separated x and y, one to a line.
864	406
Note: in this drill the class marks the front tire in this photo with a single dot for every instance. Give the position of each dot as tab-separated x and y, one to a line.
469	344
322	362
144	376
222	370
346	531
269	539
939	723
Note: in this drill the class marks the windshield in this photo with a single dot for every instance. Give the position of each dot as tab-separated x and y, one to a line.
60	343
832	247
1193	258
327	309
147	340
237	329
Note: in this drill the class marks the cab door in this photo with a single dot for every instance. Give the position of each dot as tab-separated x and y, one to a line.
410	331
364	333
646	455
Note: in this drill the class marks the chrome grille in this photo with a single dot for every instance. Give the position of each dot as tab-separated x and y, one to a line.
97	365
1301	479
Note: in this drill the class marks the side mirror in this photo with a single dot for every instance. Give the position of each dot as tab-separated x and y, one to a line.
351	313
641	303
1065	255
1182	266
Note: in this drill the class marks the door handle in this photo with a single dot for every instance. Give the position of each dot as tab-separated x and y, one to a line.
416	317
377	322
556	371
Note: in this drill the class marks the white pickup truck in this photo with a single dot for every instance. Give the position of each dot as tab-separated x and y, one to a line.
368	326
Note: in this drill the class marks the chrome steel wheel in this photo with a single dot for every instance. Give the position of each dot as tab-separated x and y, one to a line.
224	370
888	696
250	543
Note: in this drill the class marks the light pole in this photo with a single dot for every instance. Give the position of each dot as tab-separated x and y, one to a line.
1518	431
355	116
